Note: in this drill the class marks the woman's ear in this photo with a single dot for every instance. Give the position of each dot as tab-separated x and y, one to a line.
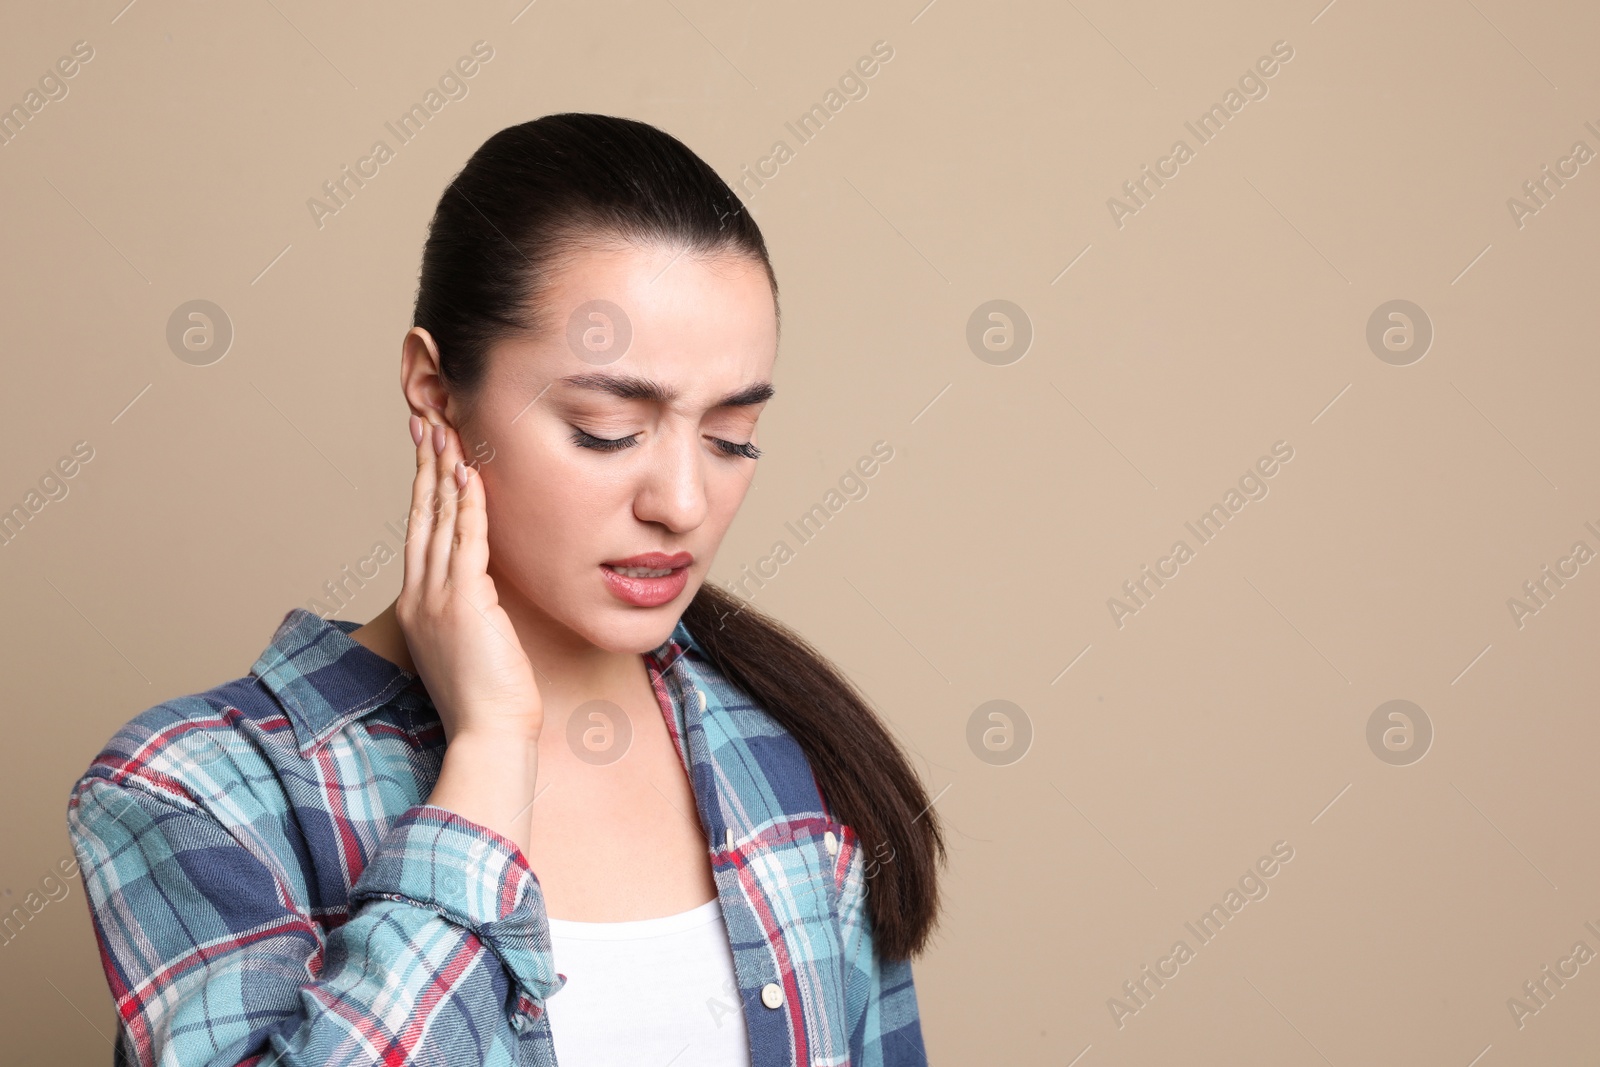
420	380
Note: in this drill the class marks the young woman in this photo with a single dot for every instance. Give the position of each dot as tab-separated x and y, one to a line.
562	798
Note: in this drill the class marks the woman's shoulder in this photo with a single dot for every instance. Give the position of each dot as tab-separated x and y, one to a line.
751	747
190	746
180	746
770	785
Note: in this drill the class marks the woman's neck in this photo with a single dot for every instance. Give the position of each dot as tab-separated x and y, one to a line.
383	636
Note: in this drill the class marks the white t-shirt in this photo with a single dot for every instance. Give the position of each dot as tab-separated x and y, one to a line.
653	991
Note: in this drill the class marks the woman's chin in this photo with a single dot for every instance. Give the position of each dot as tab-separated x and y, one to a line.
630	630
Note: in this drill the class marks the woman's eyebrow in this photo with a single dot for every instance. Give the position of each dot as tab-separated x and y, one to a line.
632	387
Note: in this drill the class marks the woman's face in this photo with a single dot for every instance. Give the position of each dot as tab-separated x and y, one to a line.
675	367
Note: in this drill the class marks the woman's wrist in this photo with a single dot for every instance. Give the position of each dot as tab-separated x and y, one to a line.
491	779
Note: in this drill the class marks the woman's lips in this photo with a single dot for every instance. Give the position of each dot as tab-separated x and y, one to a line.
653	559
648	580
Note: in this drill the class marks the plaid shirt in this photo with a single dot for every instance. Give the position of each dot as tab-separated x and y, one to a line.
268	886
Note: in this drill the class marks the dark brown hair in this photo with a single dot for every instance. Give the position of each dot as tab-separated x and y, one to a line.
530	196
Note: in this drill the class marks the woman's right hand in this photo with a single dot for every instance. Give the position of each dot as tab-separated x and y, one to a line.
460	638
464	647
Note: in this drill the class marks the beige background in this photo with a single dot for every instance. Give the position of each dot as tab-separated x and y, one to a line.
1229	313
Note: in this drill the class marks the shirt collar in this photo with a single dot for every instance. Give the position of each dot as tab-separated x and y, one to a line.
325	679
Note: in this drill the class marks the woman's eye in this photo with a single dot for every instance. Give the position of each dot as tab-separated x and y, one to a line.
746	450
601	444
582	439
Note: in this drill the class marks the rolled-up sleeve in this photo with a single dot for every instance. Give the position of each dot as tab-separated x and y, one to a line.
472	877
214	956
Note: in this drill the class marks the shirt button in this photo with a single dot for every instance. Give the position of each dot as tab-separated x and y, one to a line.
771	995
700	694
830	842
729	837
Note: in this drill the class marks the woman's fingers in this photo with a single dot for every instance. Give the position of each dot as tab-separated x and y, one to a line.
442	537
447	539
420	525
470	561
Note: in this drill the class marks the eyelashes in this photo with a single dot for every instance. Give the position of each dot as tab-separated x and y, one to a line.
601	444
746	450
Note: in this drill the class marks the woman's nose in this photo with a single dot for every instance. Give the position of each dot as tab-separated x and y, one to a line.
673	490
